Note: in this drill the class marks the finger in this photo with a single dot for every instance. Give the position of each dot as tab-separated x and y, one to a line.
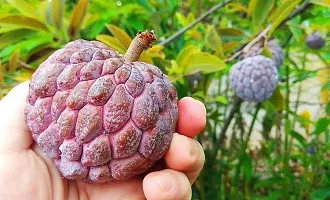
14	134
166	184
126	190
192	117
186	155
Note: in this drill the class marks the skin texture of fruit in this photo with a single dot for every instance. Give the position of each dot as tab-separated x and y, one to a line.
315	41
274	48
254	78
100	117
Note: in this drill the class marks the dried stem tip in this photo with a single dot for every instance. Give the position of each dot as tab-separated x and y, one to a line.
142	41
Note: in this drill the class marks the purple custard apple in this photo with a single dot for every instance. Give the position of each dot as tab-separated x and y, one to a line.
254	79
101	116
315	40
274	48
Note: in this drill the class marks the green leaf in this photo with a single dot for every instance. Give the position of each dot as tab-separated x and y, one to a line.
24	22
320	193
25	8
326	86
265	51
213	40
183	58
13	37
277	99
260	12
221	99
77	19
121	35
321	125
230	32
13	61
302	76
281	13
252	5
204	62
298	137
325	3
111	42
57	10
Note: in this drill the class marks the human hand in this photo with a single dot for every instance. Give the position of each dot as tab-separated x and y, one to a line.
26	173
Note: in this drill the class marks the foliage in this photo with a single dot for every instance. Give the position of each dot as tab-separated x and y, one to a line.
278	149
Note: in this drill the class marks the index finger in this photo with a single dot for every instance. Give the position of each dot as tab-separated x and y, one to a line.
14	134
192	117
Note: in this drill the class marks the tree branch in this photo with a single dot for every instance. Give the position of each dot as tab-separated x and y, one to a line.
301	8
189	26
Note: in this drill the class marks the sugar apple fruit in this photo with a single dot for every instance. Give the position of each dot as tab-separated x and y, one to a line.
315	40
254	78
275	49
101	116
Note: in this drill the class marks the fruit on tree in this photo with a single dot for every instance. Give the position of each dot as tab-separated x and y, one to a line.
99	115
274	48
315	40
254	78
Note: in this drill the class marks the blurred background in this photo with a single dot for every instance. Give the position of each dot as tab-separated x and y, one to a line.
276	149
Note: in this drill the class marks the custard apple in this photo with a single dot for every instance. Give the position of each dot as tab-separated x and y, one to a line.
101	116
315	40
254	78
275	49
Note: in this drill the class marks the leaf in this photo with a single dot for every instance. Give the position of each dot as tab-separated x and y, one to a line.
281	13
23	76
298	137
13	36
24	22
25	8
1	72
252	5
111	42
265	51
229	46
230	32
183	58
156	51
204	62
13	61
121	35
325	3
260	12
321	125
77	19
277	99
56	10
213	40
320	193
221	99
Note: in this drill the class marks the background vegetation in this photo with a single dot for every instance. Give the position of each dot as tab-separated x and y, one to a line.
278	149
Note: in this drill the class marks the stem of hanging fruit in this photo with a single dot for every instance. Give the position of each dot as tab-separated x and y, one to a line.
142	41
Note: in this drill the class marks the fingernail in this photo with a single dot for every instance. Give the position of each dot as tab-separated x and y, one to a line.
202	105
165	181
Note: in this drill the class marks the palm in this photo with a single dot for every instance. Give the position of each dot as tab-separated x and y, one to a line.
25	172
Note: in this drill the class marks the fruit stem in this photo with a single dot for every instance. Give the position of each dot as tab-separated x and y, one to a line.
142	41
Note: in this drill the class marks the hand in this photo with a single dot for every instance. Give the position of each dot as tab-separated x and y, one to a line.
25	173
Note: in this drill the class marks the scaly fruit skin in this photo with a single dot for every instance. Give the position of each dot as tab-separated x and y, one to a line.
254	78
315	40
275	49
99	117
